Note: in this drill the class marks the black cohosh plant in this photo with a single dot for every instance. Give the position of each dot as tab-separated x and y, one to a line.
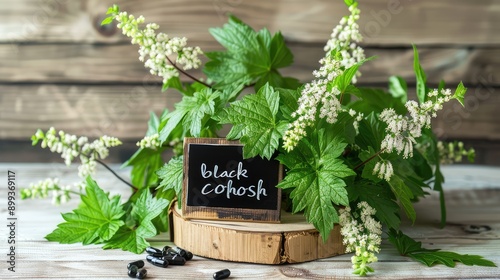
354	156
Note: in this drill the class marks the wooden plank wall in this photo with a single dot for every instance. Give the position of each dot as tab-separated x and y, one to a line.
59	67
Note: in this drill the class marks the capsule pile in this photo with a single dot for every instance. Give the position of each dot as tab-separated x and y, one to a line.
161	258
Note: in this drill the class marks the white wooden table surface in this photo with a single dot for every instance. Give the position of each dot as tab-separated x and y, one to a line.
473	200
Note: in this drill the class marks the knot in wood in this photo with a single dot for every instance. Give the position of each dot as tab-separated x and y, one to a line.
106	30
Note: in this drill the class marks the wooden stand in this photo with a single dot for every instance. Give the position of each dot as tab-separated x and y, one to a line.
292	241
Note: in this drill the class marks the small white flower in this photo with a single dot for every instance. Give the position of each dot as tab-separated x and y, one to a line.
156	48
150	142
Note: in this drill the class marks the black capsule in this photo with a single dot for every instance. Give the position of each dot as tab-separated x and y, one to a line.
152	250
183	253
167	250
222	274
141	274
157	261
132	271
157	255
138	264
174	259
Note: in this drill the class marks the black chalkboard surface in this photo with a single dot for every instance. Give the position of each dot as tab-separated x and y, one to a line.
220	184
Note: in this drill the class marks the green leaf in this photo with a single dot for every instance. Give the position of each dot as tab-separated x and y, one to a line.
343	128
413	249
420	76
370	165
153	124
175	83
371	133
144	164
349	2
254	118
107	20
404	195
127	239
405	169
376	100
315	175
171	176
193	114
345	79
288	102
378	196
460	93
197	107
280	54
398	88
250	57
173	122
144	210
95	220
115	9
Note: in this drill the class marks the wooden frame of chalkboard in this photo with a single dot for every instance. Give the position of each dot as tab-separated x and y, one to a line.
220	185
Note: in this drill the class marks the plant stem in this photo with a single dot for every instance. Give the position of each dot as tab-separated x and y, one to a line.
73	192
112	172
187	74
116	175
368	160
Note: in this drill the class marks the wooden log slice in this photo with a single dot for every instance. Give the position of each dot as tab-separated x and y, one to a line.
294	240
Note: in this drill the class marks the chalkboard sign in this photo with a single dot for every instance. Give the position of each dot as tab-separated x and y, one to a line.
220	184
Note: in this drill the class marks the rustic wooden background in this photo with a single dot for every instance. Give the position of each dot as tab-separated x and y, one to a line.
60	68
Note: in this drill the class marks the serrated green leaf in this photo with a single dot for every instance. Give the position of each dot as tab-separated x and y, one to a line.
460	93
254	118
420	76
315	175
192	114
197	107
127	239
249	57
144	210
97	219
413	249
403	242
171	176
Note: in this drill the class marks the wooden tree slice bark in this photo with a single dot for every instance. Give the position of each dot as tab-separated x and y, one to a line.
292	241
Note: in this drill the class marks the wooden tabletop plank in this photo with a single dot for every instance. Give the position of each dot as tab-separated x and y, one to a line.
123	111
382	22
473	193
90	64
